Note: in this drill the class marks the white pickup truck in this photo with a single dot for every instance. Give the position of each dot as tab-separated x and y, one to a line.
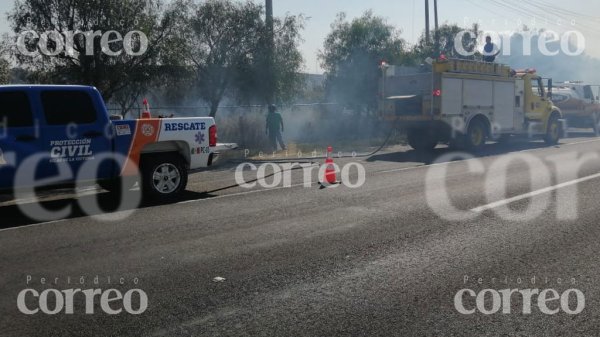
579	103
56	135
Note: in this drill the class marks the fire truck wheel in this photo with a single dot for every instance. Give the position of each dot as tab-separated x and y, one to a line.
476	135
164	176
553	132
421	140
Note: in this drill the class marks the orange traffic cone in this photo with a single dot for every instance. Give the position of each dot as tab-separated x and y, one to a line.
330	177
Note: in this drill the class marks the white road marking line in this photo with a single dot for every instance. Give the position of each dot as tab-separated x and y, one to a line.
402	169
238	194
35	224
583	141
532	194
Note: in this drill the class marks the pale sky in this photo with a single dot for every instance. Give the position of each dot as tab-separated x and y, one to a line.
408	15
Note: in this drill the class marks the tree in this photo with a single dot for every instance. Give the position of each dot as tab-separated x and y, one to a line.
222	45
225	35
4	64
215	38
253	82
88	62
287	59
352	54
4	71
447	44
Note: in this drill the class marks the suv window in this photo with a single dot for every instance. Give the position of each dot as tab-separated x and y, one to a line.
15	110
66	107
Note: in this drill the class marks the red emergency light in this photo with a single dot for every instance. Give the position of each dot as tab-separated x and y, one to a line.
526	71
212	136
437	93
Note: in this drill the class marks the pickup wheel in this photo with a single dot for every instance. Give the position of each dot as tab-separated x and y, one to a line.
553	131
164	176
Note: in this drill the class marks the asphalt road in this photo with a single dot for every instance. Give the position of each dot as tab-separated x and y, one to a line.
383	259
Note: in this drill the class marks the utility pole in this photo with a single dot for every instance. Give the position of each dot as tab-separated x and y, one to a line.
437	33
435	13
427	22
269	10
270	52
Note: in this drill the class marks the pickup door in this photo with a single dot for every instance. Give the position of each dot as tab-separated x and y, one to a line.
19	134
75	131
50	133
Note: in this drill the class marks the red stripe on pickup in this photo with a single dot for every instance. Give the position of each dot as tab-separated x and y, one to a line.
147	132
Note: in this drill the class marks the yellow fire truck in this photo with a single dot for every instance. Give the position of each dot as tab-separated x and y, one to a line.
465	103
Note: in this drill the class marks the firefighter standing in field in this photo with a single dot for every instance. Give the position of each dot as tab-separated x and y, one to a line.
275	128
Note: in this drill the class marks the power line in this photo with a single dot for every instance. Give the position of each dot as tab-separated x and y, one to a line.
564	10
557	13
519	9
474	3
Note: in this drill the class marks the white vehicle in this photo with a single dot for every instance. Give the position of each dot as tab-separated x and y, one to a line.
579	104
